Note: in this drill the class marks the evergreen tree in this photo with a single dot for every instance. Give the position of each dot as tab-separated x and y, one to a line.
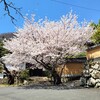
3	51
96	36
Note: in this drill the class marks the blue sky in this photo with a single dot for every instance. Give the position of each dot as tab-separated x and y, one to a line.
50	8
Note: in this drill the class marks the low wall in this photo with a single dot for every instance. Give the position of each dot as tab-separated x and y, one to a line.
71	69
93	53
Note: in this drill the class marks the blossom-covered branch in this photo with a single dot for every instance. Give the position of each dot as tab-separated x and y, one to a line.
49	39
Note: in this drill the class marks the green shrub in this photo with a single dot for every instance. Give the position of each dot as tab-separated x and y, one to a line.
47	73
24	75
1	69
82	54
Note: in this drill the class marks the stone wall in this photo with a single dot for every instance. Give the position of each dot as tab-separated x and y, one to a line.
92	75
94	71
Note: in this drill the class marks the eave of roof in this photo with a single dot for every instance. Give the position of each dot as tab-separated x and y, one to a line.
79	60
95	46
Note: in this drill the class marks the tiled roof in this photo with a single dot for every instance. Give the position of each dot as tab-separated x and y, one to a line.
80	60
95	46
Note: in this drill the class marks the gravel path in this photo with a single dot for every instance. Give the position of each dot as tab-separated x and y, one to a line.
20	93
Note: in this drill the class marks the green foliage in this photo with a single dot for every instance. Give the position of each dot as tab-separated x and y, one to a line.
83	54
24	75
95	26
96	36
3	51
47	73
1	69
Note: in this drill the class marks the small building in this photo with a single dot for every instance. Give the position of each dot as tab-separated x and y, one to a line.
93	52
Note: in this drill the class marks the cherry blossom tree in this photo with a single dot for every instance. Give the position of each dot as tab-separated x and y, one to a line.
47	42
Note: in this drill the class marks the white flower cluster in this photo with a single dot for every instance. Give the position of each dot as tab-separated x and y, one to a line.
48	38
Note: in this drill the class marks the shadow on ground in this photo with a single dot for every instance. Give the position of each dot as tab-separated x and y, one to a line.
45	85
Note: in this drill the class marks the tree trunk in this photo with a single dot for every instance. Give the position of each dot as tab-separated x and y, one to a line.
10	79
51	69
9	75
56	78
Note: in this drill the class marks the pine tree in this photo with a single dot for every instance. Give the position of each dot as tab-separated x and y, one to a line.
96	36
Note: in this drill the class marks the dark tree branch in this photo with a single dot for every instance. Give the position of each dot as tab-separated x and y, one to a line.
41	62
8	7
5	68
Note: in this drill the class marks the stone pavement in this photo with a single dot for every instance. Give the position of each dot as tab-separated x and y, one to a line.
19	93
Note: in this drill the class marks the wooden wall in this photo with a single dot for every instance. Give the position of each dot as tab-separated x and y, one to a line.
73	68
93	53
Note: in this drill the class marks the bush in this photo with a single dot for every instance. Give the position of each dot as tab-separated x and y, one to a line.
82	54
46	73
1	69
24	75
